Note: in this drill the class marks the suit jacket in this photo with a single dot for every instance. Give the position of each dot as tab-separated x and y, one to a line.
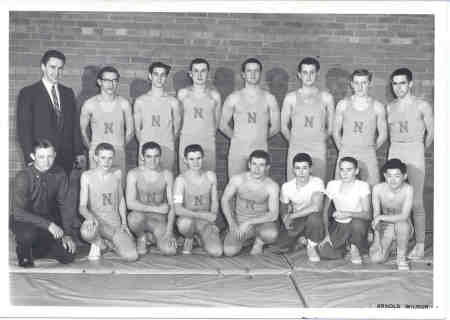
37	119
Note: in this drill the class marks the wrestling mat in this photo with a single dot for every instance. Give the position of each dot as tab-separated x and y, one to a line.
279	278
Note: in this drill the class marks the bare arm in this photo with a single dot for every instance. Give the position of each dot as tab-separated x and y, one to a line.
329	104
214	193
381	124
171	214
138	118
337	126
129	126
274	113
326	208
228	195
227	114
84	197
427	114
217	107
122	203
273	204
176	116
136	205
376	203
286	113
85	118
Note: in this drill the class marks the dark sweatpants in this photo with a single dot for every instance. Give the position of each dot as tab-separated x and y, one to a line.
341	234
311	227
34	243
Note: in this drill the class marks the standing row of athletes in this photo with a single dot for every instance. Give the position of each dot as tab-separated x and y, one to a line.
359	127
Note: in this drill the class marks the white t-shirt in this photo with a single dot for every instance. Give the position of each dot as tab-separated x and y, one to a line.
303	196
350	201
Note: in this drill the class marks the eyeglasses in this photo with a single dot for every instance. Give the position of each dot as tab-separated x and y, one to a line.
112	81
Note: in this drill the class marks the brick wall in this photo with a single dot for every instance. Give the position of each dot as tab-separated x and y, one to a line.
131	41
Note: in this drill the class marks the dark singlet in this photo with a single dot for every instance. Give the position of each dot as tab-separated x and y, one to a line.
197	195
251	200
308	119
406	126
108	125
104	198
359	127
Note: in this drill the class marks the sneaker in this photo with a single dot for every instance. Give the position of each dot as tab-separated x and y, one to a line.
26	263
312	253
417	252
95	252
187	246
402	264
355	257
141	245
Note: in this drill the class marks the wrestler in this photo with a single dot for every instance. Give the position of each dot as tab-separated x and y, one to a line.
149	196
255	114
103	206
110	120
302	204
200	113
392	203
157	116
196	204
411	129
307	119
360	127
256	208
351	198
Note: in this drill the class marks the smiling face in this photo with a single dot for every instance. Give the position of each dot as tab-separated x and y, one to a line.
104	159
108	83
199	73
43	158
52	71
394	178
158	77
252	73
360	85
401	86
308	74
152	159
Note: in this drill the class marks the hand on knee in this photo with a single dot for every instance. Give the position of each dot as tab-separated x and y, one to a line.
88	233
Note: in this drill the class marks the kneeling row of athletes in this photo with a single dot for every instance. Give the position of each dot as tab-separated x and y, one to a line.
250	204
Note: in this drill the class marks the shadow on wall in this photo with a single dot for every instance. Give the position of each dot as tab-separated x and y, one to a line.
181	80
278	80
224	82
137	88
337	82
89	86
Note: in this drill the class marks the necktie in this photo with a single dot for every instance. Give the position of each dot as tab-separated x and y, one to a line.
56	107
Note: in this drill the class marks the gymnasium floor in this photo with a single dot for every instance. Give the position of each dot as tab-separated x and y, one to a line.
278	279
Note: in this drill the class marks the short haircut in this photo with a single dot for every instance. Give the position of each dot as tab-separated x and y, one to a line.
108	69
394	163
251	60
104	146
361	73
151	145
193	148
309	61
260	154
53	54
402	72
349	159
159	64
42	144
198	61
302	157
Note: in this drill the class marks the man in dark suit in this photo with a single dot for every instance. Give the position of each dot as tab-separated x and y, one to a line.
47	110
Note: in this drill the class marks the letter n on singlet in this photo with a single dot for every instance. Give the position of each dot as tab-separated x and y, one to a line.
107	199
358	126
198	200
251	117
403	126
198	113
250	204
156	120
109	127
309	121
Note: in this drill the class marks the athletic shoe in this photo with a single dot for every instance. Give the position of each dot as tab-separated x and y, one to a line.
355	257
312	253
417	252
402	264
141	245
95	252
187	246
